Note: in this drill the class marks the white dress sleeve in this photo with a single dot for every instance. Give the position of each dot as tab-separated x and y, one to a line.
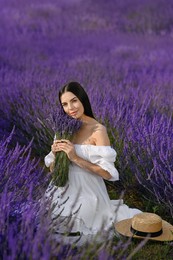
48	159
104	156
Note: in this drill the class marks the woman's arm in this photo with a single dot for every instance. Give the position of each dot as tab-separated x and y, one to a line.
52	166
101	139
50	158
92	167
82	163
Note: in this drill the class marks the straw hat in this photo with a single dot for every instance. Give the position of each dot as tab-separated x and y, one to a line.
146	225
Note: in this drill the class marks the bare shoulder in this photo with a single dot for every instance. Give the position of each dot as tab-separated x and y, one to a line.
99	128
100	135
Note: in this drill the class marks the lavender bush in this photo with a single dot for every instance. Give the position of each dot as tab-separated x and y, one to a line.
121	52
22	185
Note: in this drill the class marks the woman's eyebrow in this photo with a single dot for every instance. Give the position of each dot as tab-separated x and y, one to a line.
70	101
72	98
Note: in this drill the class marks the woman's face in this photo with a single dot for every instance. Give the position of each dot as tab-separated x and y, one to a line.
72	105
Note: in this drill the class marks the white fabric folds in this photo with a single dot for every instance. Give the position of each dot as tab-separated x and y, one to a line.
104	156
85	199
49	159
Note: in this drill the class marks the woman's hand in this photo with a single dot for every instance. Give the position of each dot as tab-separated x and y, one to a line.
68	148
55	147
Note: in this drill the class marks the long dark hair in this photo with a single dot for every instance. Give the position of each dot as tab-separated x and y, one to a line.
80	93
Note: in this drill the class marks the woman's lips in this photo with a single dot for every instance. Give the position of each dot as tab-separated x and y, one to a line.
73	113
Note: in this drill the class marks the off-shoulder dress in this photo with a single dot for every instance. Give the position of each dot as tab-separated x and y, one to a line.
85	198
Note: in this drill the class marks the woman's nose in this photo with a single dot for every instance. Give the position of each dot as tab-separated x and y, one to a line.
70	106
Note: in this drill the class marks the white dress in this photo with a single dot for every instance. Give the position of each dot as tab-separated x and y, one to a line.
85	198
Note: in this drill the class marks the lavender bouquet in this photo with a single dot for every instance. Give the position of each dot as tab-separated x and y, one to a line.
63	127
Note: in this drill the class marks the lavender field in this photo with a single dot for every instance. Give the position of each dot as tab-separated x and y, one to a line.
122	53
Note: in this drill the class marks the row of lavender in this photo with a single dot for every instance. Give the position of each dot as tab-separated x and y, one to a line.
52	18
129	81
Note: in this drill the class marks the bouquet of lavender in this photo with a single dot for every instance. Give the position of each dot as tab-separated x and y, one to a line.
63	127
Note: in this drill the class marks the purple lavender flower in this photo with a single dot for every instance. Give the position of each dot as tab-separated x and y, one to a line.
63	127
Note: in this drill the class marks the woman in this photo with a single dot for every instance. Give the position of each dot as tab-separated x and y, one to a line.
85	198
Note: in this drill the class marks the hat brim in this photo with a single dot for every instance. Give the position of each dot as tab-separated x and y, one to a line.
123	227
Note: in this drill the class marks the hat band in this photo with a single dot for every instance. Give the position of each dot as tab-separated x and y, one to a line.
69	234
144	234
